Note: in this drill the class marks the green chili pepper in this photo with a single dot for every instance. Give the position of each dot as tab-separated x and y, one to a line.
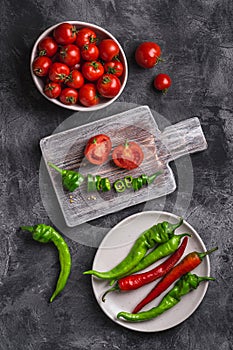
185	285
128	181
119	186
151	178
144	179
159	233
105	184
45	234
161	251
98	182
70	179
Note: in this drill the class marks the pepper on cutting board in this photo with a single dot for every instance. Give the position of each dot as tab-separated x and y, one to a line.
71	180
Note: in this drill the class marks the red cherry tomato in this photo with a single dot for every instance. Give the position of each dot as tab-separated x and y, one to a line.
89	52
108	85
52	90
47	47
41	66
75	79
88	95
147	54
162	82
65	33
92	70
70	55
58	72
98	149
85	36
69	96
128	156
108	49
114	67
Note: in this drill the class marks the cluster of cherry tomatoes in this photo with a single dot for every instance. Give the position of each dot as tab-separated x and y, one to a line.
76	67
127	156
147	55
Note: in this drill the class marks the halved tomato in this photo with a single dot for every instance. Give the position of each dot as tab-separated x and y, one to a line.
128	156
97	149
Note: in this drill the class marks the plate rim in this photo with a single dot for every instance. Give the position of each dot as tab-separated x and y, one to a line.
134	326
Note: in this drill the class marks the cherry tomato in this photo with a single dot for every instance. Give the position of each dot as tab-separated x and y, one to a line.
52	90
148	54
85	36
98	149
41	66
162	82
70	55
75	79
108	85
114	67
69	96
108	49
128	156
89	52
88	95
58	72
47	47
92	70
65	33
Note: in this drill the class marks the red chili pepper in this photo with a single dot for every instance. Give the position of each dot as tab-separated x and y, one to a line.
136	281
189	263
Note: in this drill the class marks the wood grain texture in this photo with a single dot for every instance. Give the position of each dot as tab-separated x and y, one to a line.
66	150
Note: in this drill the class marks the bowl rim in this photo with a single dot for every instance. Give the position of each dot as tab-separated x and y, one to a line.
78	108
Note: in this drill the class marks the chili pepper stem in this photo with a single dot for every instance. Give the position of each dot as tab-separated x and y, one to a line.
27	228
202	255
110	290
200	279
55	167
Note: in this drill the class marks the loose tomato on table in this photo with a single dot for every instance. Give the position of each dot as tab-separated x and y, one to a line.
98	149
52	90
85	36
148	54
108	49
89	52
108	85
69	96
58	72
128	156
114	67
162	82
75	79
92	70
70	55
65	34
47	47
88	95
41	66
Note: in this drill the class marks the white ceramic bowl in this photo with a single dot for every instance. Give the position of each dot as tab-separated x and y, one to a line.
101	34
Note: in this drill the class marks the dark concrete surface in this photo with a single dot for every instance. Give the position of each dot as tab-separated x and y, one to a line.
196	38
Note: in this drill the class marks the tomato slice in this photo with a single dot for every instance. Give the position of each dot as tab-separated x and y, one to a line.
97	149
128	156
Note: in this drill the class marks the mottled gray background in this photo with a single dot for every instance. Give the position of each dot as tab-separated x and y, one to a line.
197	44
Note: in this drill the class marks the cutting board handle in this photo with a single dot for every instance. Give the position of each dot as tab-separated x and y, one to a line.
183	138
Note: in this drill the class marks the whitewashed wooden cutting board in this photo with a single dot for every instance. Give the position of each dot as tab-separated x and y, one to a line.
66	150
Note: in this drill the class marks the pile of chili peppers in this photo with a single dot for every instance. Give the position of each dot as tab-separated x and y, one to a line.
162	242
72	180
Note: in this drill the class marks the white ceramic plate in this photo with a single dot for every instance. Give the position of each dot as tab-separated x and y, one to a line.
115	247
